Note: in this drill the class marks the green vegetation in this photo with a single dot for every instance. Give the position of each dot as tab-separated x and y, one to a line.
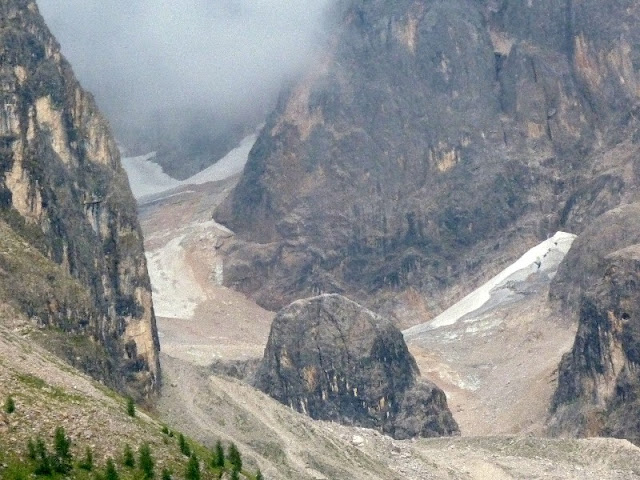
166	474
9	405
110	472
62	457
184	446
87	462
55	461
234	457
131	407
217	460
127	459
193	468
146	462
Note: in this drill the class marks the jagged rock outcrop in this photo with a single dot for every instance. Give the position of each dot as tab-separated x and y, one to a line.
332	359
431	135
62	189
598	392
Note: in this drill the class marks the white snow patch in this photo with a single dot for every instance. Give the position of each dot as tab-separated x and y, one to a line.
176	293
546	256
147	178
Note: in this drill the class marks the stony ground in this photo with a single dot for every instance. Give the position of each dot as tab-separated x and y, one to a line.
498	371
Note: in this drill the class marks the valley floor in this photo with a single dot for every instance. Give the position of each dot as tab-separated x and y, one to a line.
497	366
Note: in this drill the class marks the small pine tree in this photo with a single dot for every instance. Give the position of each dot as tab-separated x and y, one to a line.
193	468
217	460
166	474
235	475
259	475
184	446
9	405
131	407
165	430
110	472
234	457
62	458
145	461
128	460
31	450
87	462
43	466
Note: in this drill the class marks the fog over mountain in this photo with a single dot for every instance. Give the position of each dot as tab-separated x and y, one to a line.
228	57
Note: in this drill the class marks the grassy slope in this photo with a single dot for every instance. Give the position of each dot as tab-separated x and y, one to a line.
48	392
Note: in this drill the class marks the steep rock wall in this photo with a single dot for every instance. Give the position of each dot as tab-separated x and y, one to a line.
430	135
63	189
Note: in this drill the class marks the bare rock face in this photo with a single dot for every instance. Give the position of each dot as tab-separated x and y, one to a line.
434	134
598	391
332	359
62	189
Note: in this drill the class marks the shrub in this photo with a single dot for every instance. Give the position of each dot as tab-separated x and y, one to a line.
165	430
9	405
145	461
235	475
259	475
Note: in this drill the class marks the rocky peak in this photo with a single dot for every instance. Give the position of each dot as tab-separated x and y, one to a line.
332	359
62	188
430	135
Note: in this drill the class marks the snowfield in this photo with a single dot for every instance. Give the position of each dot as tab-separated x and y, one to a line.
544	257
147	178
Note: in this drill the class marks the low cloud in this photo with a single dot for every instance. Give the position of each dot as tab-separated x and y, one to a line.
142	56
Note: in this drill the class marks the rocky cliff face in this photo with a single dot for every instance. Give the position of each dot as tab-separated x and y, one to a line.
432	134
332	359
598	385
62	189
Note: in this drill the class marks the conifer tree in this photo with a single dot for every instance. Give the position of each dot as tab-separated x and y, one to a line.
128	460
166	474
234	457
9	405
217	460
62	445
31	450
87	461
145	461
131	407
193	468
110	472
43	466
259	475
184	446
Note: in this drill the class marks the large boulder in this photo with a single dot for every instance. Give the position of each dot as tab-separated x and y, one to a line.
332	359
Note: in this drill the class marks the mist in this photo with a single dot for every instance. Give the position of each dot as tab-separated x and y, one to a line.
146	56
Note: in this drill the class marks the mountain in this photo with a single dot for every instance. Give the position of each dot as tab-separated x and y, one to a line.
72	258
598	386
433	136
